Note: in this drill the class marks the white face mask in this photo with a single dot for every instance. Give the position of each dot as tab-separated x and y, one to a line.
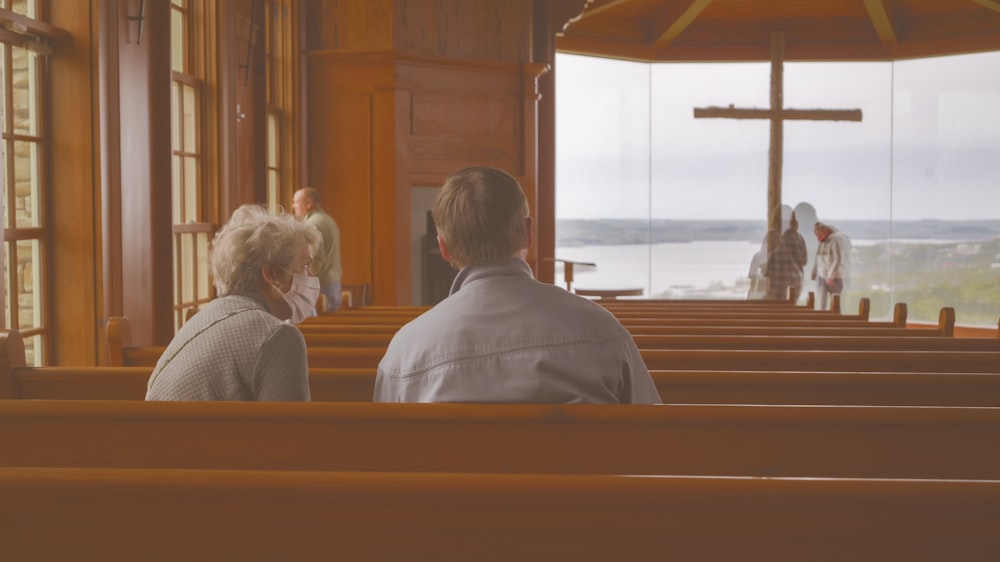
301	297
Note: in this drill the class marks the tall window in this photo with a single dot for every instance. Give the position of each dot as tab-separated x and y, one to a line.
280	57
23	154
191	232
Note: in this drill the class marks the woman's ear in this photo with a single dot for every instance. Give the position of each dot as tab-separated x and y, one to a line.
268	274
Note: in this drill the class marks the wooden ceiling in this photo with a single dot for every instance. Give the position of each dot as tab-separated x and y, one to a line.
740	30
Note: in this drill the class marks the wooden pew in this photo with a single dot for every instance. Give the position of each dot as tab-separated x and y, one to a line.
707	359
354	350
675	387
827	360
768	342
122	352
159	514
843	441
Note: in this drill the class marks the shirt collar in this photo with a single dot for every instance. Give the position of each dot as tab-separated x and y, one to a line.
511	267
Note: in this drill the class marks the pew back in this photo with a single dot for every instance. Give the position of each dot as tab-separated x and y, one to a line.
134	514
845	441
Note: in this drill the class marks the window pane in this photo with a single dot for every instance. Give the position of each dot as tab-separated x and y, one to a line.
603	153
178	40
24	89
191	213
272	140
5	160
946	172
175	125
272	191
25	7
4	87
9	256
188	270
711	171
176	193
204	286
27	186
28	284
34	353
189	120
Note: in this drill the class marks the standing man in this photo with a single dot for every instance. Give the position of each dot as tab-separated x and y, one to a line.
326	262
833	261
501	335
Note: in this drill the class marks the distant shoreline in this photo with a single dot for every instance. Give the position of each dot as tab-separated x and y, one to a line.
601	232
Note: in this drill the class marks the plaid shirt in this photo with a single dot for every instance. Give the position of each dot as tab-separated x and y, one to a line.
784	267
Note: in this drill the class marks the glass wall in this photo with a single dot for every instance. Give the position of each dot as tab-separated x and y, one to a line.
676	205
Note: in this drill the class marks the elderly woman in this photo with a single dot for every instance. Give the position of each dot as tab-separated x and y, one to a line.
241	345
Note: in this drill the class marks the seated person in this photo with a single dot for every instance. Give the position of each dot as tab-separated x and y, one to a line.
500	335
241	345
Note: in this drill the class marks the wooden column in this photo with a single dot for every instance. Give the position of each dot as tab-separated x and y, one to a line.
775	153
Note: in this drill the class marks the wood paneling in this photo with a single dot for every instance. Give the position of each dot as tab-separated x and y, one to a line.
340	144
349	25
465	116
479	29
75	301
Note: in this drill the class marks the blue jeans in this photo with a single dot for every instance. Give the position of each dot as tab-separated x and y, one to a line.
332	292
836	287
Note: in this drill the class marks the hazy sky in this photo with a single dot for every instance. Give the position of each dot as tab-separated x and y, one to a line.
628	145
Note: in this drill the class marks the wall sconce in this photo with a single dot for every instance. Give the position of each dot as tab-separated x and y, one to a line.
250	35
140	18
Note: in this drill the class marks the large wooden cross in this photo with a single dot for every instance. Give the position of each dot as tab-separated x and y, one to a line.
778	115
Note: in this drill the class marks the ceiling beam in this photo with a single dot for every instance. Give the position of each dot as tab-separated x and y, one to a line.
592	10
680	23
991	4
882	22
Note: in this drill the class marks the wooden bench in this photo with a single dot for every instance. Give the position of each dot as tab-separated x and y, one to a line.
842	441
676	387
122	353
335	351
769	342
159	514
826	360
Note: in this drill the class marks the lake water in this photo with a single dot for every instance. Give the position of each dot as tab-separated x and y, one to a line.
705	268
700	269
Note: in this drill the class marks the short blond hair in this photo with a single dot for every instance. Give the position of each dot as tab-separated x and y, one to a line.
481	213
254	238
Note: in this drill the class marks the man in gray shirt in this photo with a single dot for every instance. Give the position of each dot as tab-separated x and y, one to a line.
501	335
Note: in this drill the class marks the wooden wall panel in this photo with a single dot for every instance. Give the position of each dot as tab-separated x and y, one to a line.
463	114
341	170
478	29
74	264
349	25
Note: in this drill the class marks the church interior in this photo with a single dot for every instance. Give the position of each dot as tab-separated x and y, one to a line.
132	129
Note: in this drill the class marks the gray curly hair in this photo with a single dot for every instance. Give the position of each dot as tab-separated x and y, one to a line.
254	238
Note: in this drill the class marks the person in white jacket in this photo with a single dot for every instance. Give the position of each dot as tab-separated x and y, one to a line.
833	262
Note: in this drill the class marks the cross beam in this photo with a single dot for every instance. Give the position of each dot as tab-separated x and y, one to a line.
777	114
